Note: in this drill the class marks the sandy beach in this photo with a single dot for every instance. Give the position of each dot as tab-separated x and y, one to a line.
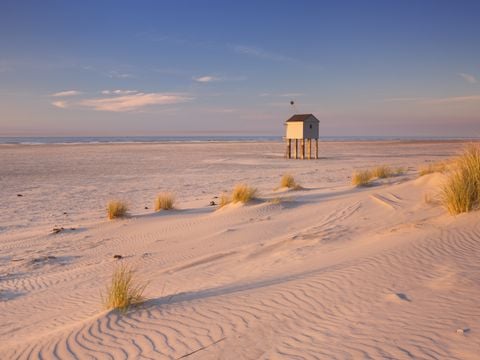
331	271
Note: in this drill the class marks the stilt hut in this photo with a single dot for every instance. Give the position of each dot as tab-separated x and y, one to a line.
300	130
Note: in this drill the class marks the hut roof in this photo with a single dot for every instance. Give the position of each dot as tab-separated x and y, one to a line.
301	118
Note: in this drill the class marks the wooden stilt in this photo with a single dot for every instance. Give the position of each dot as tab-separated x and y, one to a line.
289	148
303	149
316	148
296	148
309	148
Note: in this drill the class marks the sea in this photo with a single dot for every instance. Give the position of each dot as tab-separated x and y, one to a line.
214	138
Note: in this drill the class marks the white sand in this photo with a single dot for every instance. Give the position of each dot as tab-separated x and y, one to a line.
330	272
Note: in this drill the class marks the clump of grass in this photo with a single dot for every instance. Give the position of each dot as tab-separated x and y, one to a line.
243	193
362	177
461	192
164	201
382	172
116	209
400	171
124	289
440	167
224	200
288	181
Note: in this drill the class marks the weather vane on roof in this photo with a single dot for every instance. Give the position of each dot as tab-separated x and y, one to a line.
295	110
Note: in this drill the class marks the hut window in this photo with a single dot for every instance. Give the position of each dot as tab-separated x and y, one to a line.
310	126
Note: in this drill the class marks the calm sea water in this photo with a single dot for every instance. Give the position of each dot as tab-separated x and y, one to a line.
159	139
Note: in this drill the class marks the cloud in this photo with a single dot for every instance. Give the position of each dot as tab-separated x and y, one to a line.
404	99
134	101
214	78
60	104
66	93
119	75
206	79
471	79
119	92
432	100
289	95
454	99
260	53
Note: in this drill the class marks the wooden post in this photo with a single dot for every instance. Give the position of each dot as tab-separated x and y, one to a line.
302	145
316	148
296	148
309	149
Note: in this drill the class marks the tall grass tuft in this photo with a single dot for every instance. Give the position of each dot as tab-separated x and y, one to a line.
224	200
439	167
116	209
382	172
124	290
164	201
243	193
288	181
461	192
362	178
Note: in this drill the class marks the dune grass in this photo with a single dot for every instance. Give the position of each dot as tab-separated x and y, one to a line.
461	191
362	178
164	201
241	193
124	289
382	172
288	181
224	200
365	177
400	171
431	168
116	209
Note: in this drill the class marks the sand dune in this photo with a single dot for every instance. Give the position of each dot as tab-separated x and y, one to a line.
331	271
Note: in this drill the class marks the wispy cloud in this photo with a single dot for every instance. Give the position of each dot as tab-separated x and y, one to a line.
260	53
60	104
119	75
289	95
118	92
471	79
215	78
134	102
66	93
437	100
404	99
454	99
207	78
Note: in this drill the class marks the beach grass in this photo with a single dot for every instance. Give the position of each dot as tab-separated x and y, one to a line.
461	191
362	178
224	200
288	181
243	193
164	201
116	209
124	289
400	171
439	167
382	172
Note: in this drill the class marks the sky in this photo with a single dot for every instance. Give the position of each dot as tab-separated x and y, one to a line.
363	68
